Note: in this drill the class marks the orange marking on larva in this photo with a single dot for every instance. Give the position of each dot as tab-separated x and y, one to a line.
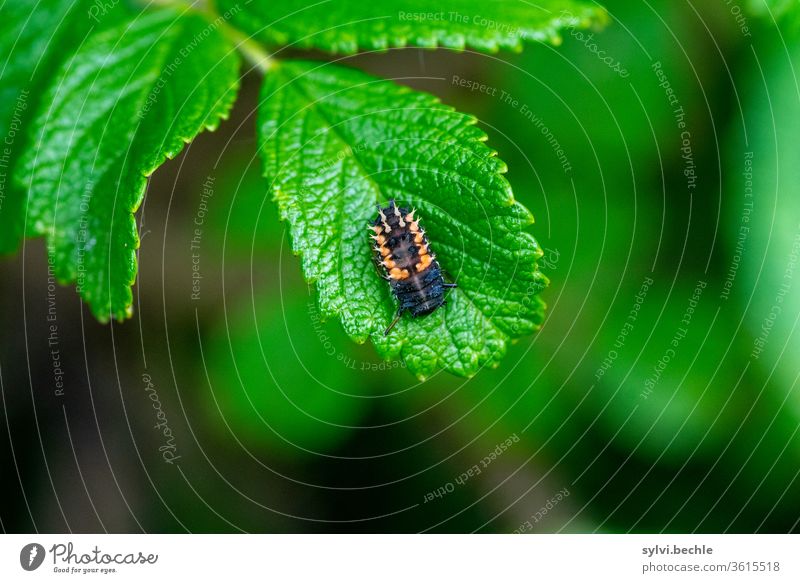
418	239
423	250
397	273
424	262
377	229
384	251
388	263
413	227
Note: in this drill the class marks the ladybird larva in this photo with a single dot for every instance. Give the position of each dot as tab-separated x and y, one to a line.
404	256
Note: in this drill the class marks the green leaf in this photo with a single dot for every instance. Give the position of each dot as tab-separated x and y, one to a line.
36	39
348	26
133	94
335	143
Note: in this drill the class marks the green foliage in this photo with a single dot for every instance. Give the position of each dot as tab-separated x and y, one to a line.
347	26
130	97
28	57
110	92
337	142
709	444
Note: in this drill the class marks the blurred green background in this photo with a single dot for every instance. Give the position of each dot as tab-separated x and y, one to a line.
661	394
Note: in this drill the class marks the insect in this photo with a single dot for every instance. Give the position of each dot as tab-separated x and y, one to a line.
407	263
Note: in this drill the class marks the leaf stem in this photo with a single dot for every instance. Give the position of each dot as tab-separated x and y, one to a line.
251	50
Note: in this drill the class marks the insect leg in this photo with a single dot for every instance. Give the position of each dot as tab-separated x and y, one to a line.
396	318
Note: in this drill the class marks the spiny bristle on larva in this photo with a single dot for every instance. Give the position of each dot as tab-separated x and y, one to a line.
384	222
401	222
